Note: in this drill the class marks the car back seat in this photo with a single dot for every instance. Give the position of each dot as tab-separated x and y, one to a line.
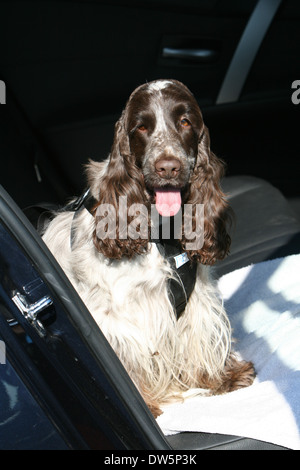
265	226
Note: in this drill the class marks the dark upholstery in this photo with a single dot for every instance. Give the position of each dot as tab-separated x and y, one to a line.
265	226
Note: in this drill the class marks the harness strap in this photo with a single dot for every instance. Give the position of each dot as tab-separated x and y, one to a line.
85	201
181	288
40	215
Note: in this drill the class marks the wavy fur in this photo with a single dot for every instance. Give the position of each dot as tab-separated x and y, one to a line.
124	282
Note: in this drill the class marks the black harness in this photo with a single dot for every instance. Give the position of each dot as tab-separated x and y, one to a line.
185	270
182	286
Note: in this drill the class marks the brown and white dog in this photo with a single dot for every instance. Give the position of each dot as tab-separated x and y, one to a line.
160	158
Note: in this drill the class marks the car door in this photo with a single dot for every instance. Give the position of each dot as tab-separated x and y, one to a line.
61	382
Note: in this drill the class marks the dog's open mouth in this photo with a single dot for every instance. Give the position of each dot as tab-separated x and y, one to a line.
167	201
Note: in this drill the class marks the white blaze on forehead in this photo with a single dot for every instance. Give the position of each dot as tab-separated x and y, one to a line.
160	119
159	85
156	87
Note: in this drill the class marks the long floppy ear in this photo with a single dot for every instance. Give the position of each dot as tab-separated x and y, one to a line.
205	189
121	187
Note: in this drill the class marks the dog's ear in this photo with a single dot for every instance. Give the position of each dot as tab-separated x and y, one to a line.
121	178
205	189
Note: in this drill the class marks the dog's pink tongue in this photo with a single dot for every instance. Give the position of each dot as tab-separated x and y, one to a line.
168	201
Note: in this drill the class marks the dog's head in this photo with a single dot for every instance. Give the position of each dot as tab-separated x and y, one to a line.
161	154
163	124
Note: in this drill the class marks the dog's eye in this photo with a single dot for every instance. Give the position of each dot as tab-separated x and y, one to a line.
185	123
142	128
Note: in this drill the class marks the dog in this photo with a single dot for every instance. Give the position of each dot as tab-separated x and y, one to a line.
154	297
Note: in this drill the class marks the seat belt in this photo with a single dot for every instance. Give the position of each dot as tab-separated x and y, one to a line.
247	49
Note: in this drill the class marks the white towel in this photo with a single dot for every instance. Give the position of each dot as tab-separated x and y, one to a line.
263	304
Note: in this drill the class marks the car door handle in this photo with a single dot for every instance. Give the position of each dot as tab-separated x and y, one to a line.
31	311
190	54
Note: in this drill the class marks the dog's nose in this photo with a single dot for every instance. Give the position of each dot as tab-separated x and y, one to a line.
167	167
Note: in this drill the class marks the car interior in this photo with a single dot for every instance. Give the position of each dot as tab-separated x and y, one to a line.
68	67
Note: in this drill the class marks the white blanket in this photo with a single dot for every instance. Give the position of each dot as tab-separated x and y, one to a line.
263	304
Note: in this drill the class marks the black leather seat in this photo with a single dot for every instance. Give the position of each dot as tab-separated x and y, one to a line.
265	226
